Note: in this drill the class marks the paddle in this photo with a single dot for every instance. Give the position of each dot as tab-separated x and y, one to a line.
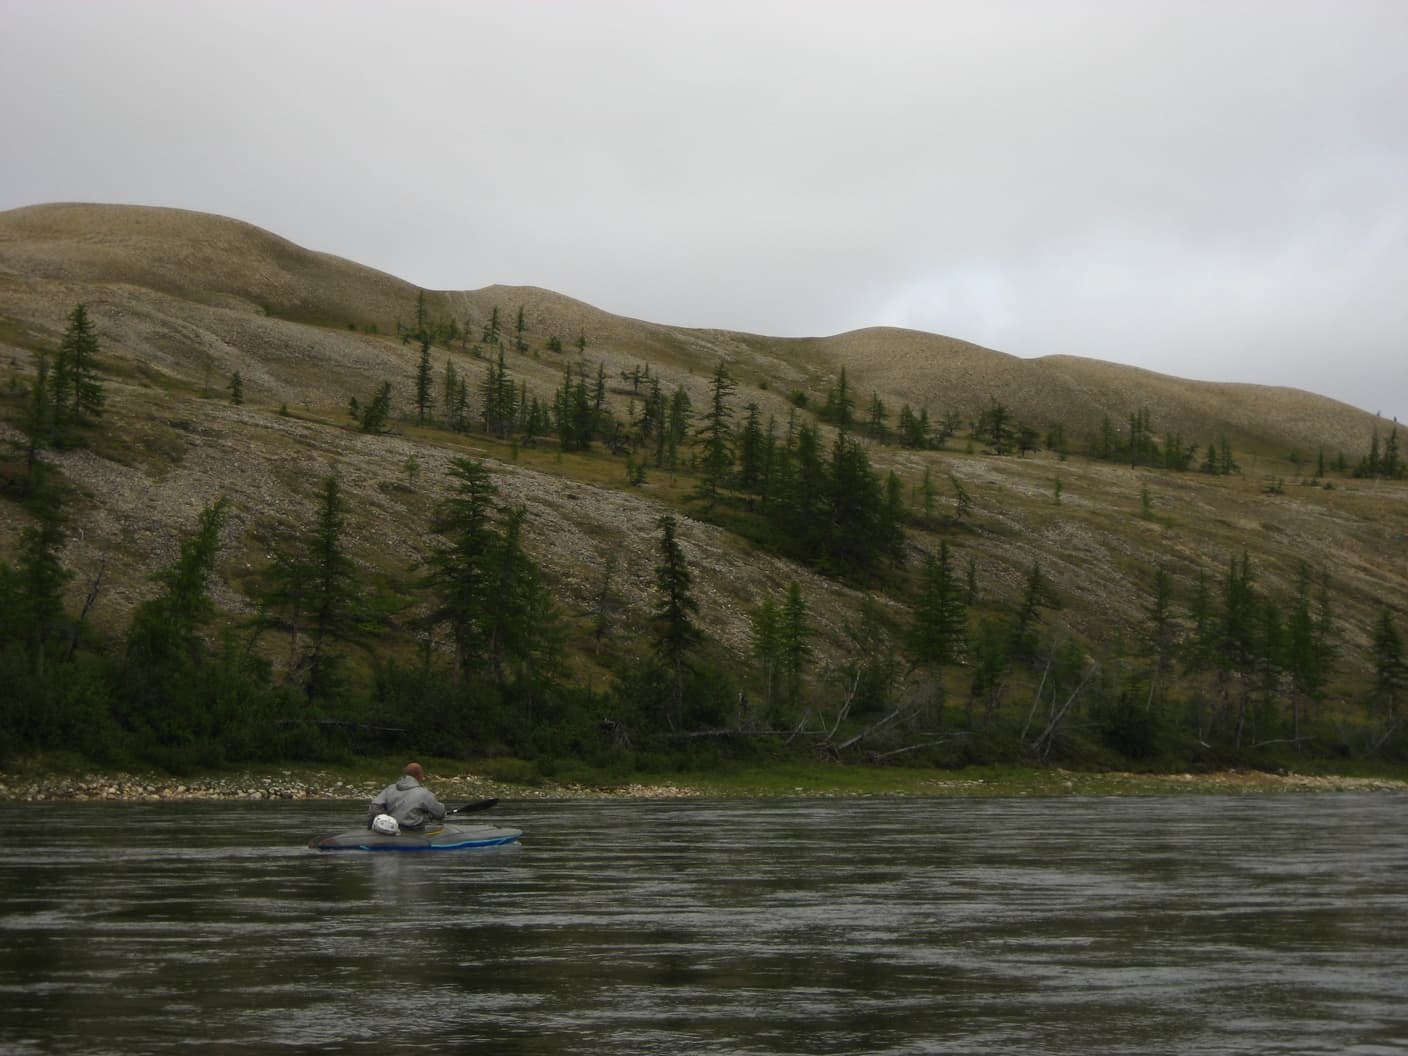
470	808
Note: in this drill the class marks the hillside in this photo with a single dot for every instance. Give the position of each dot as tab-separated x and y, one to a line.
182	301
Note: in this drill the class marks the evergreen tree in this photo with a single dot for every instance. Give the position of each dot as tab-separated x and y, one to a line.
165	630
840	406
875	418
766	642
1039	594
856	531
794	641
998	427
1309	654
1390	668
498	398
377	414
1237	625
460	569
751	441
236	388
927	491
716	437
1107	446
1160	631
599	413
522	628
914	429
455	397
1238	642
1202	640
1370	466
989	662
676	428
650	426
77	390
313	593
1391	464
574	412
35	609
675	631
938	634
37	421
425	382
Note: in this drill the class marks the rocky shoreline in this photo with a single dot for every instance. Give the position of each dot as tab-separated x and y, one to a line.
288	785
133	788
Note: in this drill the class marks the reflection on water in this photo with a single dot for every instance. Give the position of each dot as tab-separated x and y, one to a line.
1190	925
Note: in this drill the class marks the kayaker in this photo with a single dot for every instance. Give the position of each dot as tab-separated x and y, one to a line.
408	801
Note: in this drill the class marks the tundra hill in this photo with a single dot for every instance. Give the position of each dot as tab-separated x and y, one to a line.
182	301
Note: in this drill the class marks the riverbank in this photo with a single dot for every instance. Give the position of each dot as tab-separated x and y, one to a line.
454	783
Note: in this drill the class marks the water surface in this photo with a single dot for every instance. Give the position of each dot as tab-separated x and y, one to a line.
1200	924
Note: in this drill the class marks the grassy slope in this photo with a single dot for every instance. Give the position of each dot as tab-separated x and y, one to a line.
183	300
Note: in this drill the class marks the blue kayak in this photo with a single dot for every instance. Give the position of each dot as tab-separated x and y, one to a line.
442	838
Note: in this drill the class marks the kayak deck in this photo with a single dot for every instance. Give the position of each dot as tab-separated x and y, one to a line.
444	838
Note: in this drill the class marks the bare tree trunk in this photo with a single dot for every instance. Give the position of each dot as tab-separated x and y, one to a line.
94	587
1048	735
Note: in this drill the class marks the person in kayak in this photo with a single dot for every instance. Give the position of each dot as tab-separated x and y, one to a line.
408	801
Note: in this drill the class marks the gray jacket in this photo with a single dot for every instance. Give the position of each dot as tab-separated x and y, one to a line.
406	801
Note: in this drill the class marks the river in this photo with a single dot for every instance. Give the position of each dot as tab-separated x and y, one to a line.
1195	924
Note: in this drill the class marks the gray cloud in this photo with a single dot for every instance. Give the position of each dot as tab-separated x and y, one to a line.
1209	190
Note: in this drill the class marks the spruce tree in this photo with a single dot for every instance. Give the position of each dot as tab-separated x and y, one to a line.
1308	654
1039	594
522	626
40	577
794	641
750	451
675	632
939	631
460	572
165	630
840	405
425	382
377	414
677	427
716	437
313	593
37	420
1160	631
875	419
766	642
1390	668
77	390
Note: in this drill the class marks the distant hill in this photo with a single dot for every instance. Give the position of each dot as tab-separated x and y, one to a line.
182	301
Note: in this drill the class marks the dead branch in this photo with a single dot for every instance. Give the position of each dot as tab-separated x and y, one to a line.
1048	735
878	724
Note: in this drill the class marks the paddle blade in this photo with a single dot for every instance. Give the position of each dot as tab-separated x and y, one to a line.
477	805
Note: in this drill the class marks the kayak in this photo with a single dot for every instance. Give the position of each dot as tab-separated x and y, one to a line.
443	838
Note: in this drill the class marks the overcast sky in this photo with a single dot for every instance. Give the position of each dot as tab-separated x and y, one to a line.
1214	190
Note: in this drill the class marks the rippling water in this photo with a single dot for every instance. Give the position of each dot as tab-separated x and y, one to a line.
1265	924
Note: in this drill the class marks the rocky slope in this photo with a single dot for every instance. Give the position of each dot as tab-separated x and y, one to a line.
182	301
